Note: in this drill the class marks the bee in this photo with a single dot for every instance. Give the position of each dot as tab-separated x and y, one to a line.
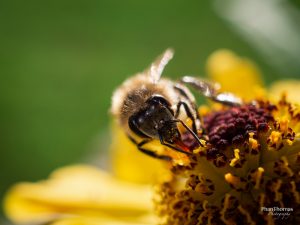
149	107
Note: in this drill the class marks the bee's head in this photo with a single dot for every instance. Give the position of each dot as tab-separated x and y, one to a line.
155	119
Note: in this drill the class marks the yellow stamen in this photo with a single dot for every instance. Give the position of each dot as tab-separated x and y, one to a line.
275	137
259	175
284	125
223	211
253	143
236	158
236	182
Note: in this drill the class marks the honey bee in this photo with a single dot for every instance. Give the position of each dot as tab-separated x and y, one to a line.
149	107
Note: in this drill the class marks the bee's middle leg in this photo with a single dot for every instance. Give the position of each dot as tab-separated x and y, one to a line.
188	113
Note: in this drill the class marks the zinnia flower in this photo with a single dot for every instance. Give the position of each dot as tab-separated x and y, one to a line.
250	163
250	160
85	194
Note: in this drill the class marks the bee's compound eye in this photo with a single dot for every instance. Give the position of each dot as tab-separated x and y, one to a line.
152	107
140	120
147	113
160	100
134	124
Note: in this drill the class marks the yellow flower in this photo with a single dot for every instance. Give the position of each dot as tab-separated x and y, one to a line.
244	162
251	162
130	164
82	194
290	87
235	74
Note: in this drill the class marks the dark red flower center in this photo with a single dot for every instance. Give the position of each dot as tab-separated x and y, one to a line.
232	126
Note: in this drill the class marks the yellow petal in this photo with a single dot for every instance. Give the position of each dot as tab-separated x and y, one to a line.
132	165
235	74
148	220
77	190
290	87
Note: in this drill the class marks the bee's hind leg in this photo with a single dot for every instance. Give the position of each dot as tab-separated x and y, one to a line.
210	91
147	151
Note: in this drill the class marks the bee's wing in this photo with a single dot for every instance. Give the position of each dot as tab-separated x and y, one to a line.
157	67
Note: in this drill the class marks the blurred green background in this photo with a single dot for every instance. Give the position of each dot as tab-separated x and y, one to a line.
61	60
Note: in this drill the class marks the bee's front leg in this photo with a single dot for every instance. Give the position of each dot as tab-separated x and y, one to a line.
147	151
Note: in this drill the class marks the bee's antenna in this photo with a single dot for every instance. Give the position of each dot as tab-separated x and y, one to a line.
159	64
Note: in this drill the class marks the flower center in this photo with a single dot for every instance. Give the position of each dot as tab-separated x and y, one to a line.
250	163
232	126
